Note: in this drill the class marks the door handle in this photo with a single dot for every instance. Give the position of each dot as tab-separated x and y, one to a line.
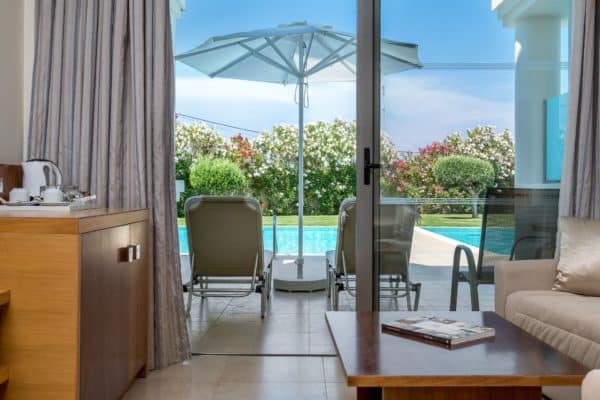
369	166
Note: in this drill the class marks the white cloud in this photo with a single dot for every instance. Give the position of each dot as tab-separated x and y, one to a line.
417	110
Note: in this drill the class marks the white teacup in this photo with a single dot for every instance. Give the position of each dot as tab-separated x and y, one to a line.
53	195
18	195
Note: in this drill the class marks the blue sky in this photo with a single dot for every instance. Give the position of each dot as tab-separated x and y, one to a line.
419	106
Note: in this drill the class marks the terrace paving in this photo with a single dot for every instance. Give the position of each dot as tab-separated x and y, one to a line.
295	323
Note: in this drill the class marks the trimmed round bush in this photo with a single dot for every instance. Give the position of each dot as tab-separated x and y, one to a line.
469	173
218	177
465	172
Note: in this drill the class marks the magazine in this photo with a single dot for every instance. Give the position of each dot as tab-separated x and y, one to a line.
441	330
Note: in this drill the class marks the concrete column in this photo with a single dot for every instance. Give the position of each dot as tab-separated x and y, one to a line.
537	77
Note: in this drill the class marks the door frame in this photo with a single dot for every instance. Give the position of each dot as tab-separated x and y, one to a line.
367	137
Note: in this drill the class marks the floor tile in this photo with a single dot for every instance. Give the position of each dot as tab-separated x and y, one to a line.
271	391
172	390
339	391
282	343
321	344
317	323
274	369
200	369
332	368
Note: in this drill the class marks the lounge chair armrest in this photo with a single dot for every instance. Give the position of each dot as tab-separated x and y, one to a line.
591	385
512	276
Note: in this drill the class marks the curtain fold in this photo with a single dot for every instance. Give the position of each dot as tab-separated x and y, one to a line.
103	108
580	187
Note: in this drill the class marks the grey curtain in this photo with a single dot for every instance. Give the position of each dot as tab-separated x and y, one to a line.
580	188
103	109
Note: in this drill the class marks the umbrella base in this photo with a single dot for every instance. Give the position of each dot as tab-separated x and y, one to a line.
285	274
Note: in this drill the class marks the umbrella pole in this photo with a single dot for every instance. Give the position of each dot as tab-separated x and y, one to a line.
300	260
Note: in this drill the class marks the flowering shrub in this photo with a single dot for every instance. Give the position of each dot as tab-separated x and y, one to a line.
413	176
270	164
484	143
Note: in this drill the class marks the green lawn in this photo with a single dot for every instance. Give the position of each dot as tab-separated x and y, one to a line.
452	220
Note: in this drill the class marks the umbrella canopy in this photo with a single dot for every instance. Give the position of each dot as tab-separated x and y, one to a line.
273	55
294	53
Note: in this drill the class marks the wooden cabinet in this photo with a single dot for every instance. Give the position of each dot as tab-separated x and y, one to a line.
77	327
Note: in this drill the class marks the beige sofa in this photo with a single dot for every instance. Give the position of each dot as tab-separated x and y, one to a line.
568	322
591	386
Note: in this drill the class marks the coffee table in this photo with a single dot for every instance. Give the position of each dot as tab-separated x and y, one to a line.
512	366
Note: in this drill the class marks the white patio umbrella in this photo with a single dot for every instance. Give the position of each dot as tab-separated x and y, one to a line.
292	54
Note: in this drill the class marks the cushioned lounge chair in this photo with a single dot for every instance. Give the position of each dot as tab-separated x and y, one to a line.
396	226
227	257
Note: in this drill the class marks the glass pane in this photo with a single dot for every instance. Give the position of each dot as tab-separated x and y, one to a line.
471	144
266	104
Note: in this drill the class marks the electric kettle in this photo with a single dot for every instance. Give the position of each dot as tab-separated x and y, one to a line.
38	173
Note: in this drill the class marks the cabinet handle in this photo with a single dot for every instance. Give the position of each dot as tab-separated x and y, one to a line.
127	254
138	251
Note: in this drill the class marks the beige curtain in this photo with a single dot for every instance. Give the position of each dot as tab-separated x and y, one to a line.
580	189
103	109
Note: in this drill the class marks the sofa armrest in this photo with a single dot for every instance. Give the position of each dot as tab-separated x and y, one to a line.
512	276
591	385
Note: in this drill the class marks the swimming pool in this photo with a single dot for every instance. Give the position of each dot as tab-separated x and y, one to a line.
317	239
497	240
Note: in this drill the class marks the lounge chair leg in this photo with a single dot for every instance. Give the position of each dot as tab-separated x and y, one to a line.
397	284
336	297
204	285
328	274
454	284
417	296
188	310
268	283
474	296
263	301
331	290
408	302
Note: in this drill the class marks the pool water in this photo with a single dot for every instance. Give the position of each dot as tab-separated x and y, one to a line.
317	239
497	240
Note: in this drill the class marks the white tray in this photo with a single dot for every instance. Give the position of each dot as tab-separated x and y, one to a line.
48	207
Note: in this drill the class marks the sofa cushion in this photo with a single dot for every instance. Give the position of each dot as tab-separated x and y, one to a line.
568	322
578	268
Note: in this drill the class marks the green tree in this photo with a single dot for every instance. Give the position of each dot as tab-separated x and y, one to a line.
470	173
193	140
219	177
485	143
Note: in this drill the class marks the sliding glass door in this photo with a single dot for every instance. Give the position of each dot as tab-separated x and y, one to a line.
461	122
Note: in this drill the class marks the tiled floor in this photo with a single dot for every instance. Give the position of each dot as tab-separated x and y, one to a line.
248	378
296	356
295	323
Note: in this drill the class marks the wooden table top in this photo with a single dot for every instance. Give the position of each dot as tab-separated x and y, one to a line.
513	357
67	222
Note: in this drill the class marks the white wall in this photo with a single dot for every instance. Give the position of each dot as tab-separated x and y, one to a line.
16	47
